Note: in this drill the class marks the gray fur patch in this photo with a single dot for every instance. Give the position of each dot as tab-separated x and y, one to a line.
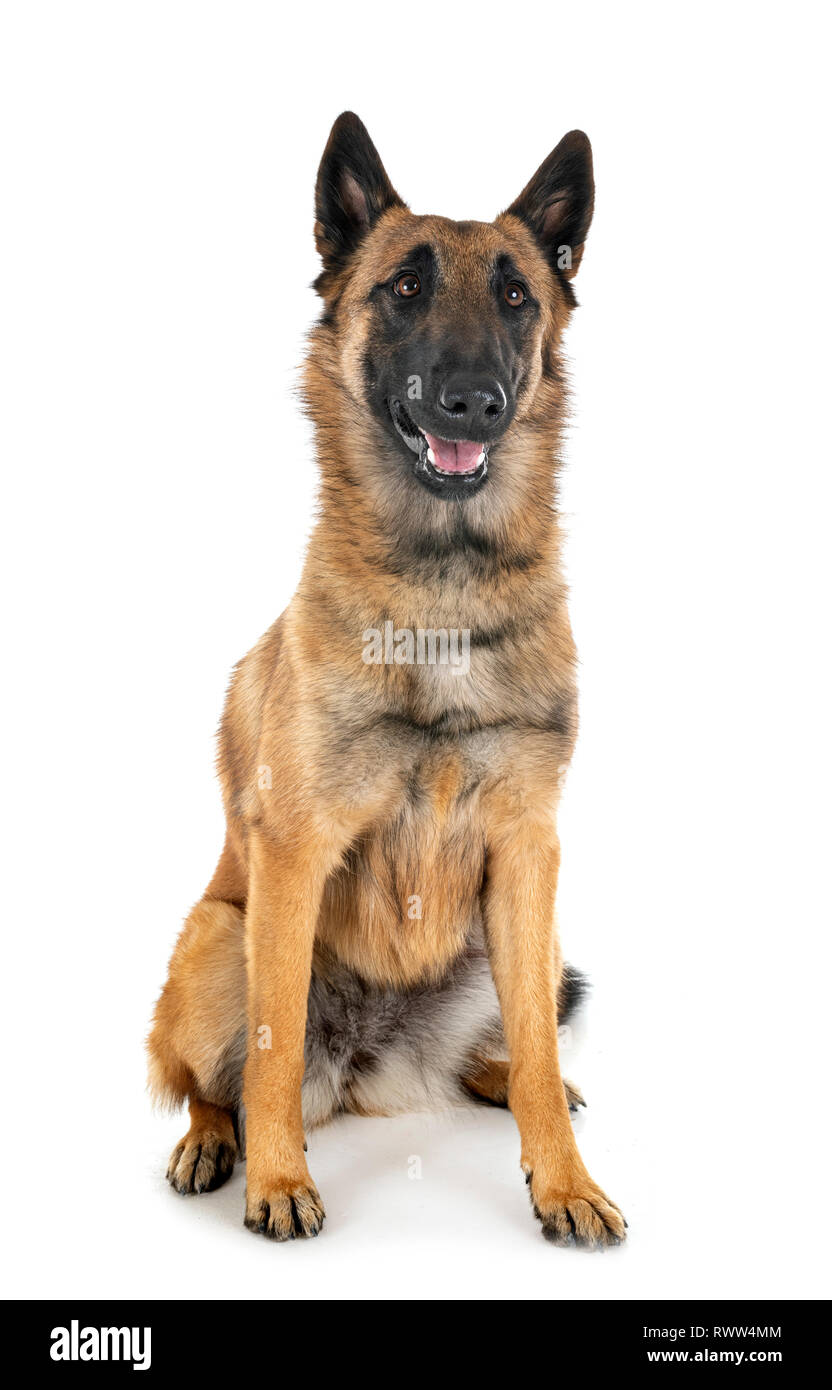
385	1051
388	1052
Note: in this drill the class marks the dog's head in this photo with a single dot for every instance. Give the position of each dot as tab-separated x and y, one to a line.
445	334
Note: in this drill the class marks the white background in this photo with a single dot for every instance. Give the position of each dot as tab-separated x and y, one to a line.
157	172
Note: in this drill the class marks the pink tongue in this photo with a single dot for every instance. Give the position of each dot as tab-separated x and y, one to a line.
451	456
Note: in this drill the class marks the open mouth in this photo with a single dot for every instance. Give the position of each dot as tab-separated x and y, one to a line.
451	467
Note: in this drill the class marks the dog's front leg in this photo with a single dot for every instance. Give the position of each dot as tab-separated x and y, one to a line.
287	877
519	913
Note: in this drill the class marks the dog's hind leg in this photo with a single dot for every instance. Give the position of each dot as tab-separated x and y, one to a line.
204	1159
486	1076
487	1080
197	1043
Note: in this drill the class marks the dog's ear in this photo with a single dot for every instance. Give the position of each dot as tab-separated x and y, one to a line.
352	191
557	202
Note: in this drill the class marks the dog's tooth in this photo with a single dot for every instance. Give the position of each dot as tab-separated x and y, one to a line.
431	457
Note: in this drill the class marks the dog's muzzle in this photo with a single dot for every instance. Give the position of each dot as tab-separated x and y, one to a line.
448	467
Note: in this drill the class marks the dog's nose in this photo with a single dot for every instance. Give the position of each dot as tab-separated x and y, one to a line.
478	401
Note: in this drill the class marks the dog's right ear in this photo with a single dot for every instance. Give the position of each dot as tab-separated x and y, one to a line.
352	191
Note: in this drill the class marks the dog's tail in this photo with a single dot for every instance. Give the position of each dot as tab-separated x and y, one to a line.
573	990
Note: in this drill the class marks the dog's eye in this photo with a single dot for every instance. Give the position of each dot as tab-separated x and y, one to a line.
514	294
407	286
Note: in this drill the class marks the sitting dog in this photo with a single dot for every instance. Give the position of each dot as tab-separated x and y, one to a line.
379	934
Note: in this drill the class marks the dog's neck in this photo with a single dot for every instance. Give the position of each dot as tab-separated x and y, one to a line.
422	559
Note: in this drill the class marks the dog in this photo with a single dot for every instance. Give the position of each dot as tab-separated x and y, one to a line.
380	934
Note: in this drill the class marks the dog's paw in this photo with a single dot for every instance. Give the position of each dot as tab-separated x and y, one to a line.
574	1097
285	1209
580	1214
201	1162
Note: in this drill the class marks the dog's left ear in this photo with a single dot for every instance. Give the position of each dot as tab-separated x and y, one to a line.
557	203
352	191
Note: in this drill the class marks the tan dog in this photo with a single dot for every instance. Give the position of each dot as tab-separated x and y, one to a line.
391	750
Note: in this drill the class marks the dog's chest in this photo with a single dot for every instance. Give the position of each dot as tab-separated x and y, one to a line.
407	896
